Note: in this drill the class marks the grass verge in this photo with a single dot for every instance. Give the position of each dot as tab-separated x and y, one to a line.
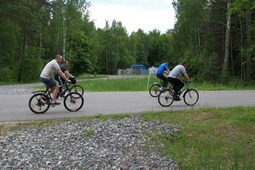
142	83
209	138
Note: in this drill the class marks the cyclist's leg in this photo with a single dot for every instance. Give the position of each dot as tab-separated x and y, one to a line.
165	80
176	86
61	83
53	86
179	84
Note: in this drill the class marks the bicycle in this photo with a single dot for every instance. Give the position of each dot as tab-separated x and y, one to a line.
71	87
41	100
155	88
190	96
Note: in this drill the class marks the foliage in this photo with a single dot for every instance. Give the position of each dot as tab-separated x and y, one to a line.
34	31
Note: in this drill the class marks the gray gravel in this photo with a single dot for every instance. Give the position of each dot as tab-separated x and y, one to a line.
94	144
18	89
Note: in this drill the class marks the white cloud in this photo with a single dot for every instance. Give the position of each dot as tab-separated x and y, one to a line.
135	17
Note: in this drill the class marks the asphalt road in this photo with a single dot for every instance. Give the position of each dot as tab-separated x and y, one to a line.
15	107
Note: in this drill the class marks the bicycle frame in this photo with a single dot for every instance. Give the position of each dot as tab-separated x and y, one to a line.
185	87
66	87
45	92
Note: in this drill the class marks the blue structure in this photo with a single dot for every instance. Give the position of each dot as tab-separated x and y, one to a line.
139	69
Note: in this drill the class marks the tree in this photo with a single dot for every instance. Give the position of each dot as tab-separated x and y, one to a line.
227	37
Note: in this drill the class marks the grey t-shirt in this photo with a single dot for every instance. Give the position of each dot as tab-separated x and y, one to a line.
177	70
49	69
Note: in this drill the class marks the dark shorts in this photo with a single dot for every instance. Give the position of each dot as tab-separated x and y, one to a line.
48	82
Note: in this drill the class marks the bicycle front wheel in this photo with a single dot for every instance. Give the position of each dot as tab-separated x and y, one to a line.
191	97
73	102
39	103
165	98
78	89
154	90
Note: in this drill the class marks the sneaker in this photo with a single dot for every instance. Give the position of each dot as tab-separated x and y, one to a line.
54	104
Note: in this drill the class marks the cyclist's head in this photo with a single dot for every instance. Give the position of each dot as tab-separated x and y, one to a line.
65	63
167	62
184	63
58	58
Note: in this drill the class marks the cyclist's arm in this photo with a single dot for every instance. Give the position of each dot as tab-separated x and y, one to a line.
68	73
62	75
186	76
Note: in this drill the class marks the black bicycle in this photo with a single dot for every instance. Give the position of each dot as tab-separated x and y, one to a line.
71	87
156	88
190	96
41	101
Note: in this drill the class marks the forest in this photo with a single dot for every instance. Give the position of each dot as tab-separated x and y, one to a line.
215	37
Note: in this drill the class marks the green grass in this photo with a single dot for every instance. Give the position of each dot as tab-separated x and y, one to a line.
101	83
210	138
142	83
126	84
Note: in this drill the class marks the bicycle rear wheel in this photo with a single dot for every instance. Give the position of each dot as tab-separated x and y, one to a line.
39	103
165	98
191	97
78	89
154	90
73	102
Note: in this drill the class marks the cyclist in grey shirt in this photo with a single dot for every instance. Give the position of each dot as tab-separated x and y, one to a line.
176	72
46	74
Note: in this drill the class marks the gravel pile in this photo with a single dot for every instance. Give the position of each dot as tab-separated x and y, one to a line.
18	89
94	144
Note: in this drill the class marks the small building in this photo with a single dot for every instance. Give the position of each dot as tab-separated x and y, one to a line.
138	69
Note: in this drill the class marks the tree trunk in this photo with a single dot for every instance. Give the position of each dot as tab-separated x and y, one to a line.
248	45
241	49
227	37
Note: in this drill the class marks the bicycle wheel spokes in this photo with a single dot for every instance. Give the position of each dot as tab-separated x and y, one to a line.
154	90
39	103
73	102
77	89
191	97
165	99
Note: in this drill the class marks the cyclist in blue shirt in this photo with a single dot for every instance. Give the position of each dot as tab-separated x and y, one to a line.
163	68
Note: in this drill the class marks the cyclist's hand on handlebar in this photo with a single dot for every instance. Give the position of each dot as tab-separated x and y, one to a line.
188	81
69	81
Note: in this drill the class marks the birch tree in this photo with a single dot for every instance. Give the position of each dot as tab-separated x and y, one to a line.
227	37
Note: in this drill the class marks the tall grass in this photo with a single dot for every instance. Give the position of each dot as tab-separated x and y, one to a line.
210	138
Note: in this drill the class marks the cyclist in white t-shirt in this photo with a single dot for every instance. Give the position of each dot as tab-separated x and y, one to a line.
176	72
46	77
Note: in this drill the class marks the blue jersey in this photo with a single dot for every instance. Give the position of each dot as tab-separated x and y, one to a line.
162	68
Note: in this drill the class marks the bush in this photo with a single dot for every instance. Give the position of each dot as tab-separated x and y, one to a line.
7	74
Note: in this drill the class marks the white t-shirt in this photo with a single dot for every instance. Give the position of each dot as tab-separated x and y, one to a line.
177	70
49	69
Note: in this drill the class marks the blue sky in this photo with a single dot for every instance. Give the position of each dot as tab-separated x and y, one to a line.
134	14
